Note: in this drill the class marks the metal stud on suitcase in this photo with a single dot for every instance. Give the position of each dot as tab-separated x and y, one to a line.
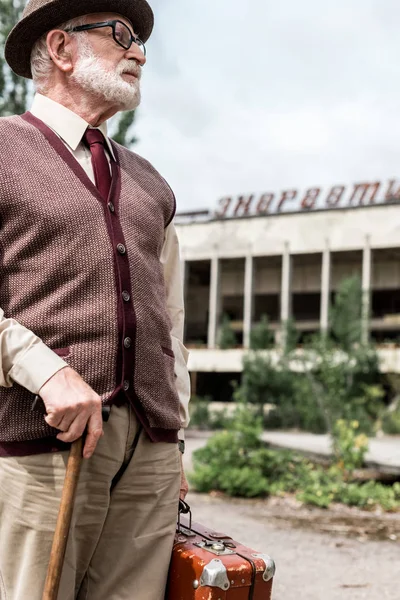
207	565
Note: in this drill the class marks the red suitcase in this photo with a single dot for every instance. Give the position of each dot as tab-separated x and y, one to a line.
207	565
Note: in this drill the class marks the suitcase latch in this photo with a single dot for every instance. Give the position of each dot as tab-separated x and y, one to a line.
218	547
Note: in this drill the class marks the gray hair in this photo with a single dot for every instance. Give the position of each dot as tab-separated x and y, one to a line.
41	65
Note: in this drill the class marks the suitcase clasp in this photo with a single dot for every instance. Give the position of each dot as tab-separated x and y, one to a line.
217	547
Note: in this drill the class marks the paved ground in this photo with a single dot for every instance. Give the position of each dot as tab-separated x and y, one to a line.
320	555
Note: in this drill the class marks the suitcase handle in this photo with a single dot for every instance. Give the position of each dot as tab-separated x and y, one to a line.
184	509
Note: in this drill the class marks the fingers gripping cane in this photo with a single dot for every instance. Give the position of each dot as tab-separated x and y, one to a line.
63	524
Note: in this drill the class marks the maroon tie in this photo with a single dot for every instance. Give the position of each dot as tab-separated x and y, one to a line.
96	142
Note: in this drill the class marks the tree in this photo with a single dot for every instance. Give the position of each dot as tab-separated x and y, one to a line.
331	377
290	336
261	335
122	127
15	90
226	337
346	313
264	380
343	374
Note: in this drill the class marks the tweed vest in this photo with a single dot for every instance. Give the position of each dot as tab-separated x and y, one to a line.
84	275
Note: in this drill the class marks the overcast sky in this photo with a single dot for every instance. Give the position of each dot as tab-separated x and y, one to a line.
259	96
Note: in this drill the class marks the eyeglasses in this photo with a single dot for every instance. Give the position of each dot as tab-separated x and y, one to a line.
121	33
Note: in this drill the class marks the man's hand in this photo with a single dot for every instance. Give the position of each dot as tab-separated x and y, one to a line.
184	482
72	406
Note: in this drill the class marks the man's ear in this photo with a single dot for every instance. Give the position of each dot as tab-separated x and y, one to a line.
59	44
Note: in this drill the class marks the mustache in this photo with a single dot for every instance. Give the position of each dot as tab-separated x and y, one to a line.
130	67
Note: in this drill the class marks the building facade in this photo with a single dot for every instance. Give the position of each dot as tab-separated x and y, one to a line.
287	265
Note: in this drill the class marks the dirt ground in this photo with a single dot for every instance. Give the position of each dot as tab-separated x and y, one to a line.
337	554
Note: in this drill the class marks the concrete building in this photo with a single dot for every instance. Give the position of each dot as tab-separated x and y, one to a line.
288	264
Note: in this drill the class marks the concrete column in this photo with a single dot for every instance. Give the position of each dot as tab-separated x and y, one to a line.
366	290
185	276
214	305
325	290
193	383
286	292
248	300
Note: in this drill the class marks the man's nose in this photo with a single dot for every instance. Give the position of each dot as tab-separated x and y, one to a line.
136	53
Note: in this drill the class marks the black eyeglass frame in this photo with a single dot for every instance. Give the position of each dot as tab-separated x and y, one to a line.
134	39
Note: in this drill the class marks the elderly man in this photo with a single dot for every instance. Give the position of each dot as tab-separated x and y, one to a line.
92	314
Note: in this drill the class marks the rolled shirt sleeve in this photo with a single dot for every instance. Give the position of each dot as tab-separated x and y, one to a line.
170	260
25	359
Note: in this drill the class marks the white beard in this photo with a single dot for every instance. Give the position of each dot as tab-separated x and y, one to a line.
93	77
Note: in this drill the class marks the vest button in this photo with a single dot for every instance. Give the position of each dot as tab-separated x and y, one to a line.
127	343
126	385
126	296
111	207
121	249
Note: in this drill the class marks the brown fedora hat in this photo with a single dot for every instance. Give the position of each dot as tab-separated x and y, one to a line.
40	16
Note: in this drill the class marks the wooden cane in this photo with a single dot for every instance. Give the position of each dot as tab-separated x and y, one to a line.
63	521
63	524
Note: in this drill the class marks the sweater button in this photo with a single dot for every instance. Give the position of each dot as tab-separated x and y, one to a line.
111	207
127	343
126	296
121	249
126	385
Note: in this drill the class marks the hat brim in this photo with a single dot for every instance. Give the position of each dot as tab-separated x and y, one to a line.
26	32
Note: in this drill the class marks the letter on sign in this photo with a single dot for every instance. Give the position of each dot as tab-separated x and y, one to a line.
392	193
224	204
243	206
335	195
310	198
264	204
364	190
287	195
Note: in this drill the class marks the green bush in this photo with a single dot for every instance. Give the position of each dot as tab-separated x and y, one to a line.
370	495
226	463
391	422
367	496
200	412
237	463
349	445
203	417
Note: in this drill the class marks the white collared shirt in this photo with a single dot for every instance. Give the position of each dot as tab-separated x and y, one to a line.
70	128
24	358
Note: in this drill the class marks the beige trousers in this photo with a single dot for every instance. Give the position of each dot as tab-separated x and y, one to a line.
123	523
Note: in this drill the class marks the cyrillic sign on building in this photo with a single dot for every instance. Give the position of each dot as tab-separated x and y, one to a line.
338	196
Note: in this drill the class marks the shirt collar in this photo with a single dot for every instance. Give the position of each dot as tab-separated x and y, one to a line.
69	126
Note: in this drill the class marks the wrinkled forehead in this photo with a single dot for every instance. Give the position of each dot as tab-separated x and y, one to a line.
104	16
